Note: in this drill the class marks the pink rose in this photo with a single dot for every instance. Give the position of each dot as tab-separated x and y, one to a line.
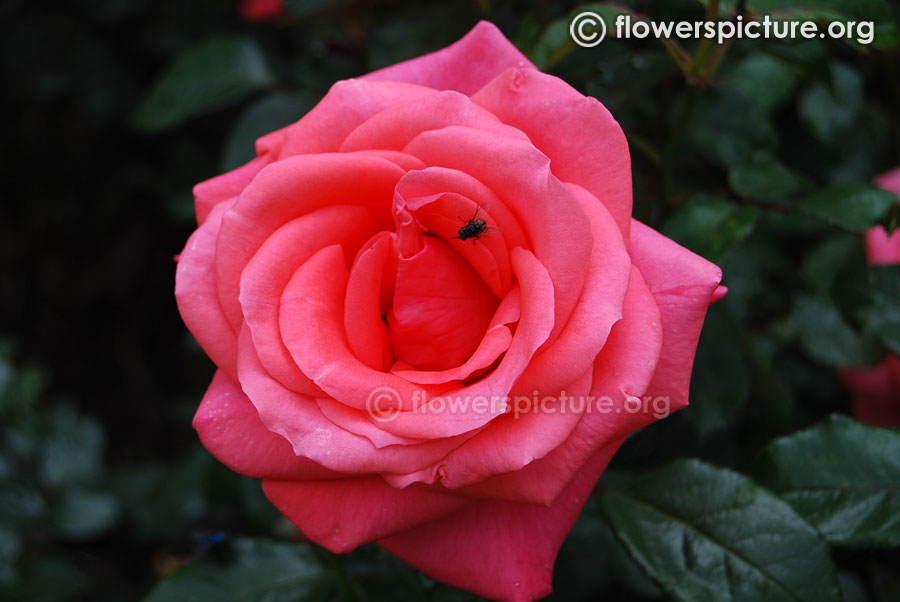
876	391
434	318
261	10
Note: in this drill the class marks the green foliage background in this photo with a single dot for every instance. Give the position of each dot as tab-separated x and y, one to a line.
758	155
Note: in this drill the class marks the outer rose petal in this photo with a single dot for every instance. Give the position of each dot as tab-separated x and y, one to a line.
501	550
230	428
881	248
464	66
585	144
683	285
343	514
211	192
197	296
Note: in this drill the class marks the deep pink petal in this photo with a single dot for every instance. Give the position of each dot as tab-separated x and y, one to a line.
230	428
464	66
343	514
197	295
441	308
881	248
585	144
875	392
683	285
227	186
501	550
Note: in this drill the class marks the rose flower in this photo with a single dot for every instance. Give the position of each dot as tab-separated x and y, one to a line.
433	317
876	391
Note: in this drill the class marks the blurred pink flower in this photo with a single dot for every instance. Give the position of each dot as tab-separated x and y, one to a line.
876	391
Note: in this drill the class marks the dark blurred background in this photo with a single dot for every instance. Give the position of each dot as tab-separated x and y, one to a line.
114	109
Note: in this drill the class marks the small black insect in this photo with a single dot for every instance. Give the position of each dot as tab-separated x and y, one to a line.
474	228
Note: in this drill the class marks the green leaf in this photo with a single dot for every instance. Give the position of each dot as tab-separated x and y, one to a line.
841	476
827	337
260	118
724	139
881	313
710	226
709	534
257	571
765	79
831	112
211	75
856	207
766	179
821	267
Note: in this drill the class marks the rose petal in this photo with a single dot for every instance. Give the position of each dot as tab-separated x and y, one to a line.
514	170
621	373
266	275
501	550
197	294
585	144
347	104
876	392
881	248
394	127
367	334
228	186
682	284
230	428
441	308
298	419
599	306
464	66
343	514
288	189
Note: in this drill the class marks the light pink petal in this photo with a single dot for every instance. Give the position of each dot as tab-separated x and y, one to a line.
394	127
230	428
585	144
266	275
298	419
343	514
614	409
348	104
464	66
683	285
552	218
500	550
197	294
441	308
881	248
288	189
